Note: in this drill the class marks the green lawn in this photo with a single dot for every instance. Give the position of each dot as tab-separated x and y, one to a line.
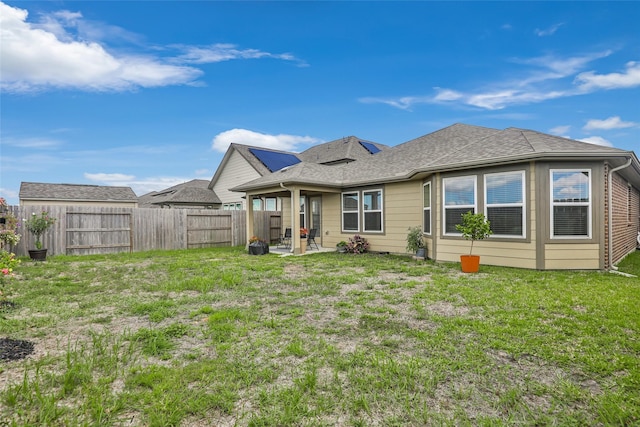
216	337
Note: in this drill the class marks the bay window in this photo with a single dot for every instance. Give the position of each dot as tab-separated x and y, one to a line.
570	203
459	198
504	203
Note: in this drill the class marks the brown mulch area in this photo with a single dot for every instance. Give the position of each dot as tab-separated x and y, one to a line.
11	349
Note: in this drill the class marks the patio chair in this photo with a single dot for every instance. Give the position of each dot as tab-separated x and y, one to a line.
311	239
285	239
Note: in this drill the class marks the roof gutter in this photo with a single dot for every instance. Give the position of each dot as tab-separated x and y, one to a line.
610	201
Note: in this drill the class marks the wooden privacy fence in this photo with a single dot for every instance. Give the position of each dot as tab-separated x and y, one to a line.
83	230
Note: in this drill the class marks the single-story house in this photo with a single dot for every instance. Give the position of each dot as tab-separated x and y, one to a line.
553	203
194	194
243	163
40	193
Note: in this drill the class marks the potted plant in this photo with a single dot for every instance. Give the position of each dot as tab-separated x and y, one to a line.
37	225
474	227
342	246
415	242
304	232
258	246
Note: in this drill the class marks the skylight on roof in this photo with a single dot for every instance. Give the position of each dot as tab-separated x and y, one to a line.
369	147
274	161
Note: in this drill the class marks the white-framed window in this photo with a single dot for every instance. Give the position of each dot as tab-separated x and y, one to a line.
363	211
303	212
459	197
504	195
372	210
232	207
350	211
257	204
270	204
426	208
570	203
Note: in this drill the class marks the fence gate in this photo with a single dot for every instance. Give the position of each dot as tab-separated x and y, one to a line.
208	229
98	232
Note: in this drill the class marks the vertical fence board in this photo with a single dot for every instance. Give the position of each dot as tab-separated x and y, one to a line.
83	230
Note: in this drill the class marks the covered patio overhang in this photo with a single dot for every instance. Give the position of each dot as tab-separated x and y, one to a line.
292	191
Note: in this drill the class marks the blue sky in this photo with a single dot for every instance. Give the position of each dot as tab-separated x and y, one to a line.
150	94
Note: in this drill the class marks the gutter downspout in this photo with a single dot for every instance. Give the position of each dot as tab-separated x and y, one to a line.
290	210
610	202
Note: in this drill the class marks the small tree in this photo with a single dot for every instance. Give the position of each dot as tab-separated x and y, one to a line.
474	227
38	224
414	239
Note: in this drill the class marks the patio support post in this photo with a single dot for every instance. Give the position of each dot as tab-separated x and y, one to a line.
295	226
249	200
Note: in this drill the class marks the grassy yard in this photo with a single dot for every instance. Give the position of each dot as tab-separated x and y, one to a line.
220	338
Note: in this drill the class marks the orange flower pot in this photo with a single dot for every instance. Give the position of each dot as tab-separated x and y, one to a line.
470	263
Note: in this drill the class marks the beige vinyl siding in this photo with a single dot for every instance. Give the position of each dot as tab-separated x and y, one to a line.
286	213
506	254
402	209
493	251
236	171
331	222
566	256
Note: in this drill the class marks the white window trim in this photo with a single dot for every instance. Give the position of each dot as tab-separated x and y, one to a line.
373	190
357	211
510	205
360	211
553	204
428	233
444	203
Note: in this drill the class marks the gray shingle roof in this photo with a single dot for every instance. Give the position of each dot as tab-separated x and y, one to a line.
194	192
75	192
345	149
453	147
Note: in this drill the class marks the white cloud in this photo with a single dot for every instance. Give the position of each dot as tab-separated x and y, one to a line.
138	185
109	177
32	143
11	196
225	52
591	81
613	122
247	137
560	130
545	78
548	31
597	140
35	58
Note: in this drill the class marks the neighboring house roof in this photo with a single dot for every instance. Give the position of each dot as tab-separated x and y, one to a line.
456	147
194	192
75	192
